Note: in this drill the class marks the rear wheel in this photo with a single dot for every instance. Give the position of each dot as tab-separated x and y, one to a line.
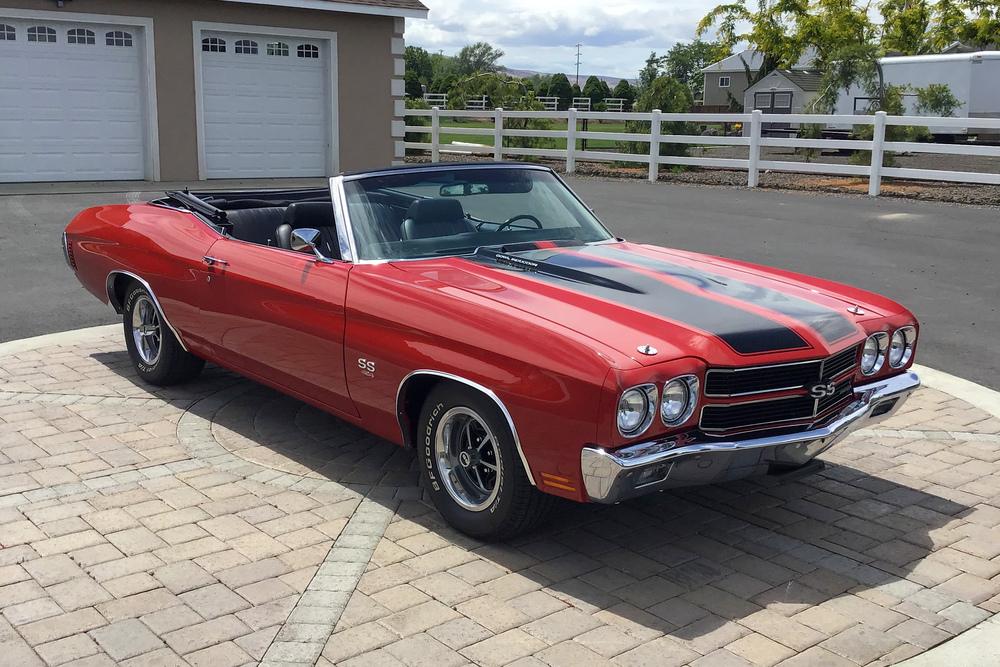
156	354
468	455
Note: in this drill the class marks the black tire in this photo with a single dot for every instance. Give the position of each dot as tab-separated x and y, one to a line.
171	364
517	507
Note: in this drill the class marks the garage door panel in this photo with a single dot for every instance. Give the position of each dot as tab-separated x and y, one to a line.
71	111
265	115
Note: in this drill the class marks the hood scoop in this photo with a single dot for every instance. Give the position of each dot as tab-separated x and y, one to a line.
505	256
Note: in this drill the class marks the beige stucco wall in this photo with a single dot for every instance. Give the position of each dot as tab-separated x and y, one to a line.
365	63
717	96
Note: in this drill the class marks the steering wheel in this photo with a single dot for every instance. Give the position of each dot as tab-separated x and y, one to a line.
523	216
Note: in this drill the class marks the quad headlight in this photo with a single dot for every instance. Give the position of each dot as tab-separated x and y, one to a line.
901	346
635	409
680	395
873	354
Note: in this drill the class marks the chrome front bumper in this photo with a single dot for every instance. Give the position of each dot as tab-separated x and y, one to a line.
649	466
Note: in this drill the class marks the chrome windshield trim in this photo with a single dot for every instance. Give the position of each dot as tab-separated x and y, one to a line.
608	475
338	194
342	220
475	385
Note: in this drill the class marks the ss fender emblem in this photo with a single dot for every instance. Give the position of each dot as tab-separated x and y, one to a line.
823	390
367	367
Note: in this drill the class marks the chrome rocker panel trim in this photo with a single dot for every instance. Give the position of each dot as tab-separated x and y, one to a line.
612	476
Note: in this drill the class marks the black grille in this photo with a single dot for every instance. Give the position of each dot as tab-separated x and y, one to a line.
741	382
740	415
840	362
830	400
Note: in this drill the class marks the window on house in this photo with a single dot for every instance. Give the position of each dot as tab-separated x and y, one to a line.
213	45
118	38
277	49
7	33
308	51
724	81
246	47
80	36
40	33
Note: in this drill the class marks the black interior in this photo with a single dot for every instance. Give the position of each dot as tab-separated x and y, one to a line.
426	218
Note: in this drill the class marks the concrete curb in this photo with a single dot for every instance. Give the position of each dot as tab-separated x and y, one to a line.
71	337
982	397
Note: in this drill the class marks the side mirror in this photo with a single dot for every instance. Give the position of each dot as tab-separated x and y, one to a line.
306	240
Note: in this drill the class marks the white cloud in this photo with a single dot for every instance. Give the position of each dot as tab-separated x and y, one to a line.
542	34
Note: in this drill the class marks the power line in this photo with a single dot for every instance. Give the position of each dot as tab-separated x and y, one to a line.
578	64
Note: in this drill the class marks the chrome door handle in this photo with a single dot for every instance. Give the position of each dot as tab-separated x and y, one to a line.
212	261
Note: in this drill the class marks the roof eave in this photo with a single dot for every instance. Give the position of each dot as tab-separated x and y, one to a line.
342	7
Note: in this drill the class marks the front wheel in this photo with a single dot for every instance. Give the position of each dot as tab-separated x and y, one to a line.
470	461
156	354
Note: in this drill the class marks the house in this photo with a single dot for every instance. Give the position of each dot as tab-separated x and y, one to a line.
726	80
783	91
183	90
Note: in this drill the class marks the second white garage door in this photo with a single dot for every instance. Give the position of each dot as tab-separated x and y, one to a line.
265	106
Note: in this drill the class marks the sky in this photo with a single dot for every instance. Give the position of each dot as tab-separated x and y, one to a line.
541	35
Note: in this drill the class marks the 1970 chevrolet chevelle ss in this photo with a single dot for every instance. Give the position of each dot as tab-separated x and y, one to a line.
482	315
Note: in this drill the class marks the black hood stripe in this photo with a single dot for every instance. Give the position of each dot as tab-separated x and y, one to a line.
828	323
744	331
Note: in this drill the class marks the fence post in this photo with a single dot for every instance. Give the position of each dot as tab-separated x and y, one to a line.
435	135
571	141
753	170
654	146
878	142
498	134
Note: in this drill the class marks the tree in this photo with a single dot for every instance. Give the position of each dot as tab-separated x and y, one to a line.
560	87
905	26
476	58
650	70
413	87
684	62
936	99
596	90
669	96
418	62
625	91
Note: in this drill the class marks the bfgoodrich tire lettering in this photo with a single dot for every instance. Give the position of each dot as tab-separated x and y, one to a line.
468	457
156	355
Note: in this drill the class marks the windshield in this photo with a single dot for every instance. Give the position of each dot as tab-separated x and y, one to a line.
454	211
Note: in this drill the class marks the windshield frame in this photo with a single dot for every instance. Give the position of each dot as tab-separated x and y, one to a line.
346	234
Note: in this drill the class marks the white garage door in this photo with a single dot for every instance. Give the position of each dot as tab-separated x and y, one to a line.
265	105
71	101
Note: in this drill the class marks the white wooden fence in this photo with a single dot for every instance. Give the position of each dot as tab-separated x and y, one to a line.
874	171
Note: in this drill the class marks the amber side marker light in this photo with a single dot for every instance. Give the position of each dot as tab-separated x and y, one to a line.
558	482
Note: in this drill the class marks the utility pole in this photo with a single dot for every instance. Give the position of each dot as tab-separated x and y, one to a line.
578	63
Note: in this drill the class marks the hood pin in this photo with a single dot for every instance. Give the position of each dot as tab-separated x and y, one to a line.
648	350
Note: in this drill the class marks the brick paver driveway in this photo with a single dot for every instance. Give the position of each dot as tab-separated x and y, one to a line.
221	523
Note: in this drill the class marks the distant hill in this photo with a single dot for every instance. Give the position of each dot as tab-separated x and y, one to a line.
612	81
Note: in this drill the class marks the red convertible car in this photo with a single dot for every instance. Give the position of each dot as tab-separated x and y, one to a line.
482	315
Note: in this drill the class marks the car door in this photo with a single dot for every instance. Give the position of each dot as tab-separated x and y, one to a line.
280	317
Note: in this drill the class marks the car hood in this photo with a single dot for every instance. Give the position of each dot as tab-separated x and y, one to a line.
682	304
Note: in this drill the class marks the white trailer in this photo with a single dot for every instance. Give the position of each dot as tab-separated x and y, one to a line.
973	78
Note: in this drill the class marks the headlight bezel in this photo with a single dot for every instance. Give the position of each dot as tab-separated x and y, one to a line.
691	386
909	334
881	340
651	396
